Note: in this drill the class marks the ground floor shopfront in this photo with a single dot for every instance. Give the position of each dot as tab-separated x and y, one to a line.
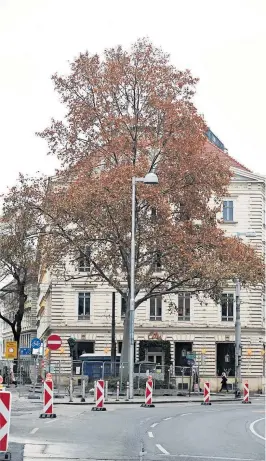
210	352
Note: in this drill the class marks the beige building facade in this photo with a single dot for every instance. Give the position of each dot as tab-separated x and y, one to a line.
82	309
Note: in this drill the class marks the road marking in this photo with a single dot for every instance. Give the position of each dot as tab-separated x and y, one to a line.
34	430
216	457
162	449
49	422
251	428
166	419
154	424
185	414
150	435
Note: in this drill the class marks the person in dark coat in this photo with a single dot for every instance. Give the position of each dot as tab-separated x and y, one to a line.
224	383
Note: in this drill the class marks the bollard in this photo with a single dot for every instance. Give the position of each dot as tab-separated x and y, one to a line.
5	412
127	392
106	391
70	389
117	391
148	394
83	399
99	396
246	393
206	396
48	405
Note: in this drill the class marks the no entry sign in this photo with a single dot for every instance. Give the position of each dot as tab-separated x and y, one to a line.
54	342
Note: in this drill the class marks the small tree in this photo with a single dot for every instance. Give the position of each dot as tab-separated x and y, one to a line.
18	259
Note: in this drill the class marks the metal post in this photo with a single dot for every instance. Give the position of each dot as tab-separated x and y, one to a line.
127	392
83	395
113	342
238	351
71	382
59	378
106	390
132	293
117	391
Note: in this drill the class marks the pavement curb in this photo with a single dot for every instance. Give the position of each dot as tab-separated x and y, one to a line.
154	401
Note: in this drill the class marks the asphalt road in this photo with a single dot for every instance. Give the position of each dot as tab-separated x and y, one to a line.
183	432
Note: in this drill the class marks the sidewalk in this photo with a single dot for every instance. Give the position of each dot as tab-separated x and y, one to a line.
140	400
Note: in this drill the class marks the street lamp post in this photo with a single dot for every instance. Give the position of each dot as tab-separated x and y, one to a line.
238	347
150	178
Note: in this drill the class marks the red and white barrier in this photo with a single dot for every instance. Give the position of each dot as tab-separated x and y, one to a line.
99	396
246	393
5	413
148	393
206	394
48	401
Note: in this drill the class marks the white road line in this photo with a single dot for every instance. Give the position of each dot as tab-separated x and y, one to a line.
154	424
251	428
185	414
34	430
150	435
216	457
49	422
166	419
162	449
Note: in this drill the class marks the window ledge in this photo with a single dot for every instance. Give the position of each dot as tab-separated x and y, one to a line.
221	221
83	317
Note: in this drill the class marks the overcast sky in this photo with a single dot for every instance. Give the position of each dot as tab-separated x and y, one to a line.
222	41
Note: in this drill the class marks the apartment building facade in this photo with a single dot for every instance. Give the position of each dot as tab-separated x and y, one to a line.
82	309
8	306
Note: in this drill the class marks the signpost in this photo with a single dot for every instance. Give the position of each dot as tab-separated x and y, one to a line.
11	350
54	342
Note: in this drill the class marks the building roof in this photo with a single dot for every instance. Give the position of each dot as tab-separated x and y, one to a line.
223	155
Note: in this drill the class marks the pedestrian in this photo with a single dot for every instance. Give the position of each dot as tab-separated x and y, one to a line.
224	383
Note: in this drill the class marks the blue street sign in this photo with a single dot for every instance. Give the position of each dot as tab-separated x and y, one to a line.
36	343
25	351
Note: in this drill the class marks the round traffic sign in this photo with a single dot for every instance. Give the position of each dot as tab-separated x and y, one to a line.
36	343
1	379
54	342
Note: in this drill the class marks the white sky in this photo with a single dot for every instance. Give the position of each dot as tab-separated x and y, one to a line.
223	42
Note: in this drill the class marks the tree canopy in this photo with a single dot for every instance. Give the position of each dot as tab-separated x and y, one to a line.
129	113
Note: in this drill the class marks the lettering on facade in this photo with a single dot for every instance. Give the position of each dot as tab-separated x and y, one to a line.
155	335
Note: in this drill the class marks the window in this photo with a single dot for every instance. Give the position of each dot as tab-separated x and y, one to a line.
123	308
153	214
225	358
227	304
184	306
158	261
228	210
156	308
84	261
84	306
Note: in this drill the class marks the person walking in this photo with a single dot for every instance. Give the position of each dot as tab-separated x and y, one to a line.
224	383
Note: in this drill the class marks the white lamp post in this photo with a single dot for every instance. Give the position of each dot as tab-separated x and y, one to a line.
150	178
238	347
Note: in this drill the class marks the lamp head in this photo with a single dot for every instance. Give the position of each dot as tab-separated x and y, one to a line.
151	178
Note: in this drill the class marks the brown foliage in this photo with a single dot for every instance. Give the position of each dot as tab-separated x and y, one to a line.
127	114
